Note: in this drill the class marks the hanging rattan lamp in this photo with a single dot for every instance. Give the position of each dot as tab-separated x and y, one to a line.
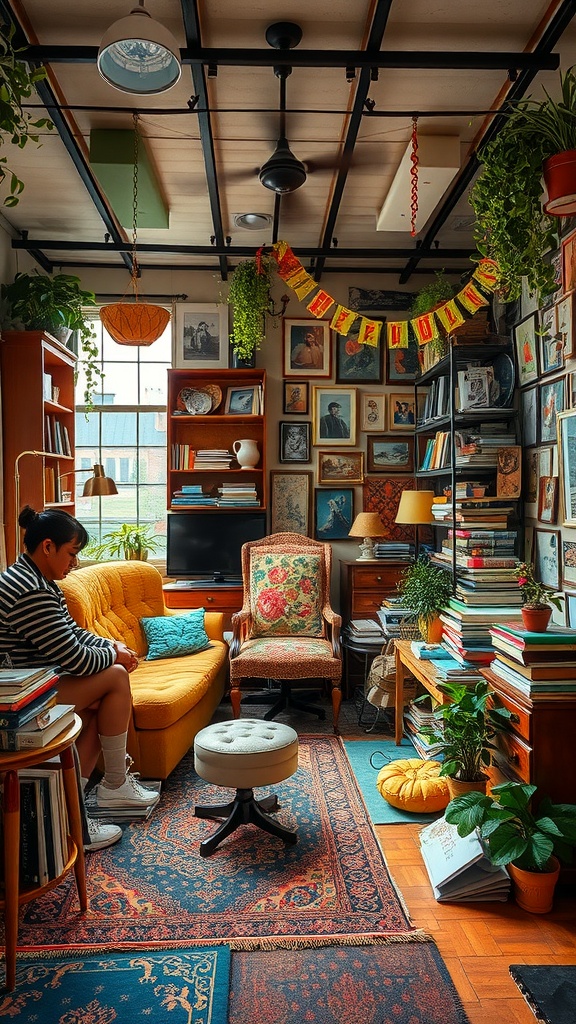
136	322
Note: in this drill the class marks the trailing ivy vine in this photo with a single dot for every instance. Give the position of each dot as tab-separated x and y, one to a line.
249	297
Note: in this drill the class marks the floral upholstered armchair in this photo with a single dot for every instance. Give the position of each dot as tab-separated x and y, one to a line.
286	628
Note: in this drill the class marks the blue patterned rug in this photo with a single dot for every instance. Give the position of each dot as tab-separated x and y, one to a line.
184	986
359	753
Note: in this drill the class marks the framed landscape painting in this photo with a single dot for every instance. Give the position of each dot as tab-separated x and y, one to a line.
390	454
291	502
334	467
334	513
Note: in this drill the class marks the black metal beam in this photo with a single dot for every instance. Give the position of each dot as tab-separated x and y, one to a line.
211	267
466	60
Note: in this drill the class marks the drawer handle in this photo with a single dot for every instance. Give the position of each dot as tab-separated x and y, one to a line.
379	579
208	598
515	718
513	759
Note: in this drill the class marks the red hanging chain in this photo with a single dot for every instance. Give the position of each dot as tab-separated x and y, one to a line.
414	176
259	253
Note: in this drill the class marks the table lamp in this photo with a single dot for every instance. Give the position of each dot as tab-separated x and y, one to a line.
367	525
415	508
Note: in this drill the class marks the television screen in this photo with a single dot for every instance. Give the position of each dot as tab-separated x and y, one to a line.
208	544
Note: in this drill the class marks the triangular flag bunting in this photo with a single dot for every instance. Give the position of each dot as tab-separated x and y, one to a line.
471	298
450	316
320	304
425	328
342	320
369	332
398	334
487	273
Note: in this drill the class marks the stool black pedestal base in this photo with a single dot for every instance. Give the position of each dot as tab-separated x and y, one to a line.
284	698
242	810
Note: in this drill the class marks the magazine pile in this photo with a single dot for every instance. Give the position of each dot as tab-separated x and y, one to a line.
458	868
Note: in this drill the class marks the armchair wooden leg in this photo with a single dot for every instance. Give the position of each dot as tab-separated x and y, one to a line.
235	699
336	702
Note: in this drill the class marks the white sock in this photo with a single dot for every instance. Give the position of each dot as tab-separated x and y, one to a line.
114	754
84	783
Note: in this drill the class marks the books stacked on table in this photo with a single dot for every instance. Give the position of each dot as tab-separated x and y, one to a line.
27	707
533	663
458	868
121	814
43	824
466	629
419	724
237	495
365	629
391	616
393	551
190	495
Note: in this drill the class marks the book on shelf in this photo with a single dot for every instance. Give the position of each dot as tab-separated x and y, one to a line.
120	813
48	848
31	736
542	670
530	686
528	655
29	861
458	868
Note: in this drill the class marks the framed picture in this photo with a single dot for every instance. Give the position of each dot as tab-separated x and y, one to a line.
555	258
334	467
567	465
571	382
373	412
401	410
528	300
509	472
334	416
200	337
547	558
294	442
402	363
307	351
529	416
569	562
382	495
291	501
390	454
569	263
548	499
333	513
525	343
296	397
565	324
355	363
551	347
570	608
242	401
551	404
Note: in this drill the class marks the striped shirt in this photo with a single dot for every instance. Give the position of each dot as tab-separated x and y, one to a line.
36	627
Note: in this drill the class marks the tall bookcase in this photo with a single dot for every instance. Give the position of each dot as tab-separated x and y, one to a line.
36	418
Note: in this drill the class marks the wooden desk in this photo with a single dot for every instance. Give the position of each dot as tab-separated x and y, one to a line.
423	671
10	764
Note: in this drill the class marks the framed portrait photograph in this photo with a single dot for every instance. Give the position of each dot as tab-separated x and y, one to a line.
355	363
294	442
550	343
334	416
307	348
334	467
547	557
548	499
402	363
291	501
333	513
401	411
242	401
551	404
390	454
373	412
200	338
296	397
569	562
525	344
529	411
565	324
567	465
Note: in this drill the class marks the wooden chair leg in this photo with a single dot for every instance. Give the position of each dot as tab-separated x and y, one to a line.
235	699
336	702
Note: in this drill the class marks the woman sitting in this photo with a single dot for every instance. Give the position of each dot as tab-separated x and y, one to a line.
37	629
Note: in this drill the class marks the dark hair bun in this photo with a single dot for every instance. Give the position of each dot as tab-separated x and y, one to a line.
26	517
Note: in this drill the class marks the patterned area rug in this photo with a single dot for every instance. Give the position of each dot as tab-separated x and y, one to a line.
360	753
549	991
185	986
406	984
254	891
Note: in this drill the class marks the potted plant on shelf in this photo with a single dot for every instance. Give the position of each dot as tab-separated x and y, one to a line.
128	541
530	844
536	610
249	296
425	588
512	227
39	302
468	726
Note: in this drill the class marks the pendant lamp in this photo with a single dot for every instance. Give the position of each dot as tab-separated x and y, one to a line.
138	55
134	323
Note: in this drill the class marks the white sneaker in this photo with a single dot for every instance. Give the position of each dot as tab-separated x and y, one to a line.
101	835
130	794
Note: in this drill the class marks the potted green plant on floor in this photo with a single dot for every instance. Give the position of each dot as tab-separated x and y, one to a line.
249	296
538	600
512	227
425	588
128	541
467	728
526	842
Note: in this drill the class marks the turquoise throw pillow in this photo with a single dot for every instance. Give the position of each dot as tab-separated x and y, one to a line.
170	636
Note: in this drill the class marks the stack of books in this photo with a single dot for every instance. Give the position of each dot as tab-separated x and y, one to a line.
533	663
391	616
394	551
237	495
29	714
43	824
190	495
213	458
419	724
482	549
480	448
366	629
466	629
458	868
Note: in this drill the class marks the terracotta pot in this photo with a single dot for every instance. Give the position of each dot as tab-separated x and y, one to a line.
458	788
534	890
431	630
560	180
536	619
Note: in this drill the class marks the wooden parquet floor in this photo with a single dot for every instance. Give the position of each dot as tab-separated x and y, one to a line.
479	941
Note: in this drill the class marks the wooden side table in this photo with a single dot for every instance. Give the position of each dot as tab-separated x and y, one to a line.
10	764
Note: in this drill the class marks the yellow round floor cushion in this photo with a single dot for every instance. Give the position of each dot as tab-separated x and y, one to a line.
413	785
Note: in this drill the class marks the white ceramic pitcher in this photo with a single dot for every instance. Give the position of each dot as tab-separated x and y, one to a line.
246	452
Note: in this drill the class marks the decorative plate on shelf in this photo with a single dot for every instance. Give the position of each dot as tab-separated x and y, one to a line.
197	403
215	394
502	390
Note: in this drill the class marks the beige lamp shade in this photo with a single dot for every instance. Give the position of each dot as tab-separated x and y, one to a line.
415	507
367	524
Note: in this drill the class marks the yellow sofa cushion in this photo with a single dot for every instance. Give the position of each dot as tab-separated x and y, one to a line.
413	785
163	691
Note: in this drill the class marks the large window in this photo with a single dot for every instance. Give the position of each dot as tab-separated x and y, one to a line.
126	433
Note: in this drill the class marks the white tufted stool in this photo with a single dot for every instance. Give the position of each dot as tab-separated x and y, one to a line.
241	754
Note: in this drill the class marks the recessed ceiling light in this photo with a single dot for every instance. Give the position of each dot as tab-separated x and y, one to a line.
252	221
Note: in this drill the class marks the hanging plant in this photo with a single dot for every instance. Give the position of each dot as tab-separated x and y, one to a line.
249	297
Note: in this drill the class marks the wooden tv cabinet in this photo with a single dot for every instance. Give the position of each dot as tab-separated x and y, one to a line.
221	597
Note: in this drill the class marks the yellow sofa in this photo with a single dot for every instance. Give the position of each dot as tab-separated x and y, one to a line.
172	698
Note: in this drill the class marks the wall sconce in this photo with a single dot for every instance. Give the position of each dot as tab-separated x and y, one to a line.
138	55
367	525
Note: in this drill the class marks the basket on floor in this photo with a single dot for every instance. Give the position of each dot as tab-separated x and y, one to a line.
381	680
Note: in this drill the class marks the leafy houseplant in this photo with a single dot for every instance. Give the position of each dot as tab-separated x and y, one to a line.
17	83
424	588
432	295
39	302
128	541
511	226
536	610
249	296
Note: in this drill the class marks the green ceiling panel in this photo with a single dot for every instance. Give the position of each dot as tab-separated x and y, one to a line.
112	159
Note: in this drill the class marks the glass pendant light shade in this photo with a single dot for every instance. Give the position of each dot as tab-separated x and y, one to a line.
138	55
